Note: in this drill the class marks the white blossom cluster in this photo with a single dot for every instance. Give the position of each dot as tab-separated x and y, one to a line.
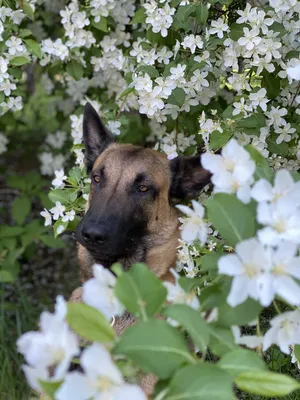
50	352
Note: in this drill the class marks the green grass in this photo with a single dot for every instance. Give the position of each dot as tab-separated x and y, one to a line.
16	317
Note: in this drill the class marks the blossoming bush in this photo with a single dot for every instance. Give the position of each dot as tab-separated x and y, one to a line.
179	76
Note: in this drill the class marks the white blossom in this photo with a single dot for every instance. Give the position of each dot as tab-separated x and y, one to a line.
98	292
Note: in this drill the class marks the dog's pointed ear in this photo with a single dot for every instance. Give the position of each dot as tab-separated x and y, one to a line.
96	136
188	177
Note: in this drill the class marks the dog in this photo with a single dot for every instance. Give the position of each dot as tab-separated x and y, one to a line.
130	215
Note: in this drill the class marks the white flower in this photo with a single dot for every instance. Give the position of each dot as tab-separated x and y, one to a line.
294	72
198	79
114	126
246	266
241	107
232	171
282	221
102	379
15	46
285	191
259	99
251	38
170	150
53	346
7	87
178	296
193	226
191	42
47	216
285	133
143	83
58	182
275	116
98	292
284	331
218	27
69	216
58	210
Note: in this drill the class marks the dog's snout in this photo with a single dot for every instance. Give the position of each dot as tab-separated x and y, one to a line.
94	234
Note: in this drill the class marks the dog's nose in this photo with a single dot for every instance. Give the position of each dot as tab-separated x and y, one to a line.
94	234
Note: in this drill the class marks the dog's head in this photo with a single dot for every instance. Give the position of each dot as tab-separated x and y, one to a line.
130	207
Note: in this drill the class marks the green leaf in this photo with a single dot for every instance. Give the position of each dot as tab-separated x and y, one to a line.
222	340
267	384
89	323
233	219
241	360
139	16
24	33
59	227
20	209
156	347
148	69
51	241
189	284
271	82
281	149
141	292
257	120
10	231
200	382
15	72
75	69
297	352
49	388
27	9
189	11
59	195
19	60
33	47
127	92
201	14
239	315
192	321
262	171
101	25
236	31
76	174
219	139
7	276
177	97
210	261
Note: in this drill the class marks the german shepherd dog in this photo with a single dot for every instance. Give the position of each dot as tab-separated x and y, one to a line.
130	215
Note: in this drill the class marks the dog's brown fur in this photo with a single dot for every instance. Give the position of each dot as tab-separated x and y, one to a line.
180	179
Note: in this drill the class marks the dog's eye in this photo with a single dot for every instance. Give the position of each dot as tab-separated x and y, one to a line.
96	178
143	188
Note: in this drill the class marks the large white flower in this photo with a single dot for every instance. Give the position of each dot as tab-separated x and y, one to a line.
284	331
98	292
53	346
193	226
285	191
232	171
102	379
247	268
262	273
282	223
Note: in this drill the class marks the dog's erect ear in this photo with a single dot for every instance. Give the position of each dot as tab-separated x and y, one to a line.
188	177
96	136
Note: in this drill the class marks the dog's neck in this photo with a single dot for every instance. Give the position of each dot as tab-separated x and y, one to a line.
159	258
